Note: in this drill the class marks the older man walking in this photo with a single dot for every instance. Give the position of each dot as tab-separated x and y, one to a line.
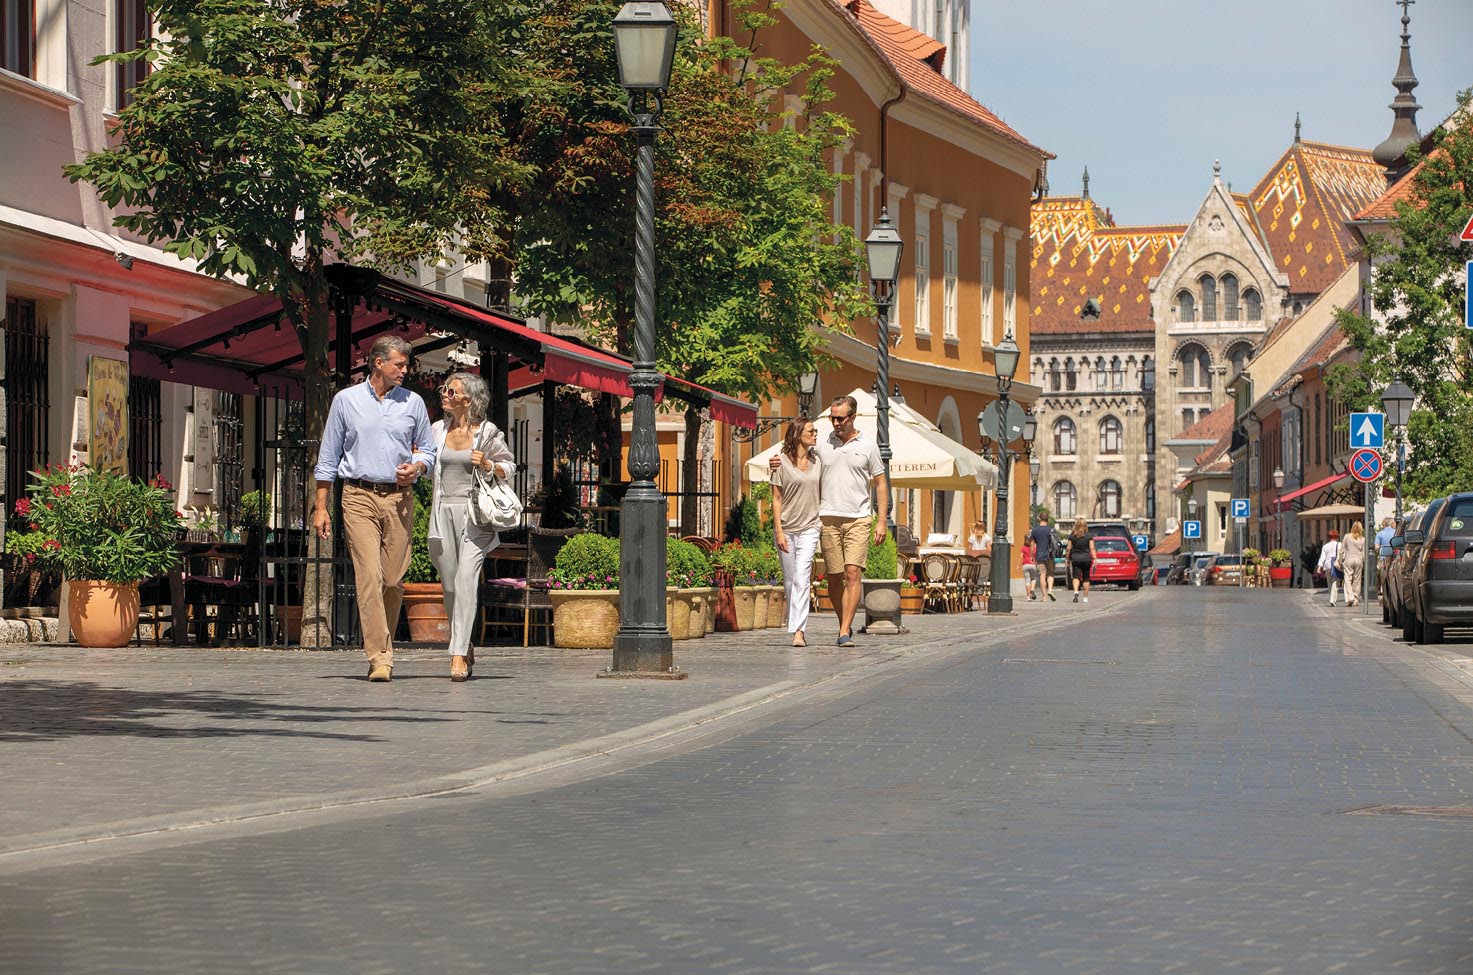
850	462
378	442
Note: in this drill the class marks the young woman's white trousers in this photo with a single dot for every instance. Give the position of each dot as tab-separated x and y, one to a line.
798	575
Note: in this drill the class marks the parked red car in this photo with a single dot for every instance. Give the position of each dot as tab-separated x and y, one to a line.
1115	561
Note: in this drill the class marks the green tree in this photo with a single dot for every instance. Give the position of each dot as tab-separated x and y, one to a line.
1419	338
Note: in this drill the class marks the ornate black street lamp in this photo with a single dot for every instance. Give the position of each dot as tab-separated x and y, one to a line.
644	43
1034	466
882	249
1191	516
1005	365
1397	404
1030	430
1279	504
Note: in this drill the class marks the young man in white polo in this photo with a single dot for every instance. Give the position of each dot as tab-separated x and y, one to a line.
850	462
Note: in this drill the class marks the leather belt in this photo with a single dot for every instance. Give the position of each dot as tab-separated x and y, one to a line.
377	487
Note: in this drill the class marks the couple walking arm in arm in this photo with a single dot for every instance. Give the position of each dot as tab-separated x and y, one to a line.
830	479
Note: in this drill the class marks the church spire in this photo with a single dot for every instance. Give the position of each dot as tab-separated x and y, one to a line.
1086	182
1391	154
1297	140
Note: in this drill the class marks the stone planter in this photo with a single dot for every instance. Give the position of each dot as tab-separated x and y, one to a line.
700	608
912	599
777	608
882	605
584	619
745	600
424	607
102	614
762	595
677	613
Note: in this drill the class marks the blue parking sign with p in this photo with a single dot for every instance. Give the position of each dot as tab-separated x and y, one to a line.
1191	529
1240	507
1142	542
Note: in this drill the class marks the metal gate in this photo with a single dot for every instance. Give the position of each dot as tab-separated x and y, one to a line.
27	399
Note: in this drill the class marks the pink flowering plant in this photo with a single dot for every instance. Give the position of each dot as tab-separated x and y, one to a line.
586	561
102	525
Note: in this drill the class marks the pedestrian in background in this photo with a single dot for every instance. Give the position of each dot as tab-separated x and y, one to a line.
1045	544
980	541
1352	562
1387	532
1027	559
1329	553
1081	557
378	442
795	503
465	442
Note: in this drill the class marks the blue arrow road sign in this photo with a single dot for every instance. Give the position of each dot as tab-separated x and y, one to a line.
1191	529
1468	296
1141	541
1240	507
1368	430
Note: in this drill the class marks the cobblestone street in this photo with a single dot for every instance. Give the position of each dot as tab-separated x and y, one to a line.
1188	780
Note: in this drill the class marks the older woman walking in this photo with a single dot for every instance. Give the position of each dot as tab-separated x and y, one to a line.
1352	562
466	441
795	495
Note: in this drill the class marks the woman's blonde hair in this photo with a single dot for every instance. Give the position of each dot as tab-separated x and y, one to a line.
1357	530
1081	526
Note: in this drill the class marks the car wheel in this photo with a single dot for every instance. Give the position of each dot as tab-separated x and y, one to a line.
1417	635
1385	613
1133	586
1432	632
1395	617
1408	626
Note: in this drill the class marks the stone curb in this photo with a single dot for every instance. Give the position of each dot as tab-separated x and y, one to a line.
17	852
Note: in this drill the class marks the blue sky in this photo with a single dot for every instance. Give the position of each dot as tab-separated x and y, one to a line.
1148	93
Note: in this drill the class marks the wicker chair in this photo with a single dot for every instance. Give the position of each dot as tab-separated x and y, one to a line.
938	574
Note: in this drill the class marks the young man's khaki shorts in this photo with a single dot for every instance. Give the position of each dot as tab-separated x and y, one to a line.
844	541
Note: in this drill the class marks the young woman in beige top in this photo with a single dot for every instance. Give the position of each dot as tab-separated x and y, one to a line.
795	518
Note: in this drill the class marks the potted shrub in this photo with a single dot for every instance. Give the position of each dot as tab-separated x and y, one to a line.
882	587
584	587
1281	568
737	581
770	567
30	558
108	533
912	595
689	571
424	596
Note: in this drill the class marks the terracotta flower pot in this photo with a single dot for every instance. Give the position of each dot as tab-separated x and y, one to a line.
723	606
102	614
912	599
584	619
424	605
1281	575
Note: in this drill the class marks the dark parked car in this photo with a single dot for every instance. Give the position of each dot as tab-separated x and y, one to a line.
1440	589
1399	572
1148	570
1198	571
1180	572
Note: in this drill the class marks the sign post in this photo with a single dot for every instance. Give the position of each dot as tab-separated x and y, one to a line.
1241	507
1366	467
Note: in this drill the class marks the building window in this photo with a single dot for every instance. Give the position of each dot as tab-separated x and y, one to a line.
987	333
1098	379
1064	499
1196	367
135	27
1117	373
1318	426
923	285
1055	381
1110	499
1151	501
1253	305
1238	357
1186	307
1230	297
1209	297
1009	288
18	36
1110	432
1064	440
1150	434
948	289
1071	375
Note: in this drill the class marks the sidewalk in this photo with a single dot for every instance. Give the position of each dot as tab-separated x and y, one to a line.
106	743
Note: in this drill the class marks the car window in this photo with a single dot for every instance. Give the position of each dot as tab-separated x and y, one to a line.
1229	560
1111	543
1458	522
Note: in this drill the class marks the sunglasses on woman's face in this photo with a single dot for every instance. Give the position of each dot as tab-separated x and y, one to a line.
447	392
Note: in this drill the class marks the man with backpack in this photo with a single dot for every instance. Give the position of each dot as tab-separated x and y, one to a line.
1046	546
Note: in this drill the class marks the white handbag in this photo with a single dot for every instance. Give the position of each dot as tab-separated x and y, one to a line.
494	504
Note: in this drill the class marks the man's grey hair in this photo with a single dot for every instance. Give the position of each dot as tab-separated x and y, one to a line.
477	392
385	346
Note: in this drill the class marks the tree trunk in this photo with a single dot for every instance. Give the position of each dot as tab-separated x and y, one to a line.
310	310
690	473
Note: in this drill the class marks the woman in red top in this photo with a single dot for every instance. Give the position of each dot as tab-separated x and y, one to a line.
1028	555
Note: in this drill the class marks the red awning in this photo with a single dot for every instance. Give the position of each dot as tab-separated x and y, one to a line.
1300	492
727	409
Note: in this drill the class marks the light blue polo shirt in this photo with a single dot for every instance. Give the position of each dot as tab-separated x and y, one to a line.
368	438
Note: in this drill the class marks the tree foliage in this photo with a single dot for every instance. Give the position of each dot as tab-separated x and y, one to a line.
1418	336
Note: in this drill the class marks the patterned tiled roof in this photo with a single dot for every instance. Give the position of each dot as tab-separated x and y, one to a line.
1303	204
917	59
1384	206
1078	255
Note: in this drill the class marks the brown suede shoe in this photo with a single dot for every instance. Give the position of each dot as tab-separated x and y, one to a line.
383	672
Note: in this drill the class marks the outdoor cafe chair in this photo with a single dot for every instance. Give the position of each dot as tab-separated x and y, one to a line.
938	573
